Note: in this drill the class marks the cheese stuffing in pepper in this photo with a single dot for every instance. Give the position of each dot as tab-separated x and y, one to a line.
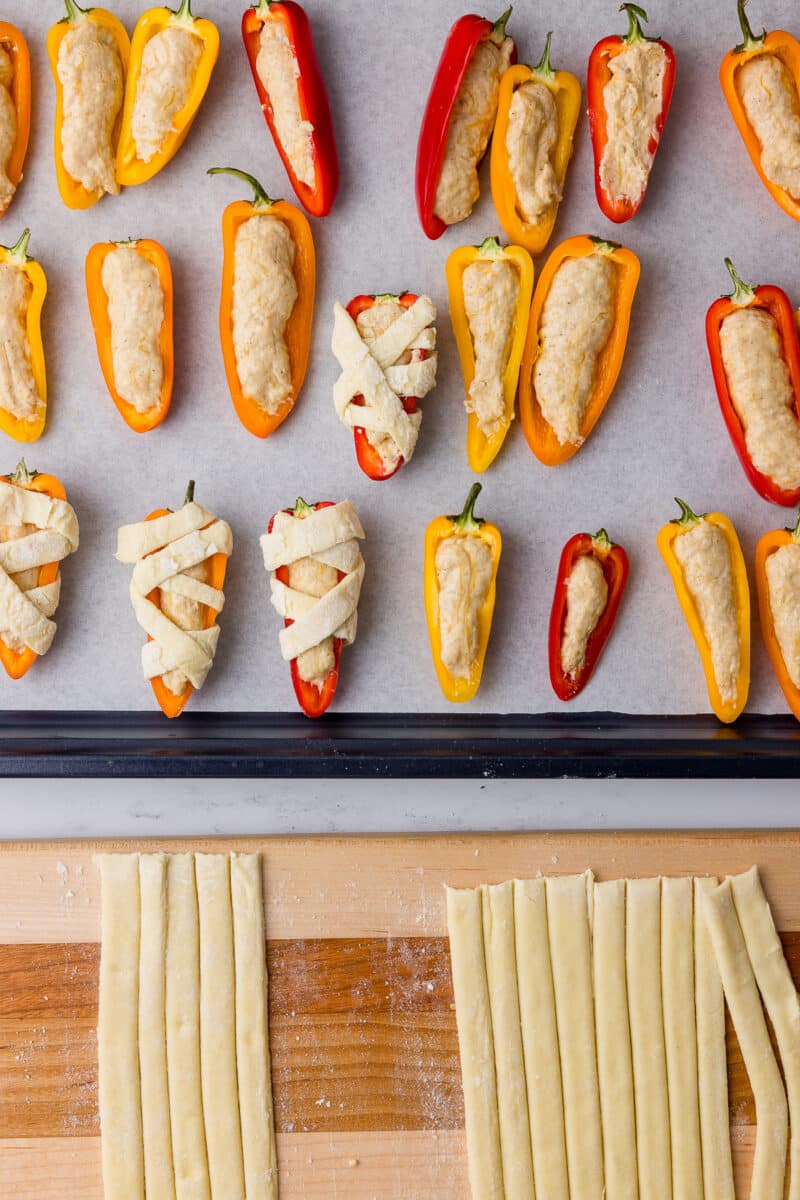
587	596
169	64
761	392
491	289
769	96
136	314
531	137
705	557
471	123
18	394
90	73
278	71
577	317
783	576
633	100
464	574
8	127
264	294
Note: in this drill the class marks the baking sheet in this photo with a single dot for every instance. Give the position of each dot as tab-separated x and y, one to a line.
662	434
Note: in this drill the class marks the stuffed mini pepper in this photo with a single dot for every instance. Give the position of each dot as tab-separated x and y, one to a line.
15	110
705	560
778	582
462	554
459	119
23	379
592	575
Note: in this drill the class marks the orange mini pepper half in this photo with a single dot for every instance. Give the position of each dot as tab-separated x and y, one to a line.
726	710
483	450
298	328
541	436
466	524
155	253
131	169
15	46
18	662
172	705
73	193
566	92
780	45
29	429
771	542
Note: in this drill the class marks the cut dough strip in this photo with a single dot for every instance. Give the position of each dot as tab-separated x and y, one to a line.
741	993
712	1064
156	1128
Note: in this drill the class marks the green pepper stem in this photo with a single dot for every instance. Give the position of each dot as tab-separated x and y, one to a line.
603	245
687	517
742	292
301	509
382	297
189	497
543	66
499	27
184	13
19	250
260	197
261	8
796	531
466	521
74	11
490	248
749	40
21	473
636	14
602	540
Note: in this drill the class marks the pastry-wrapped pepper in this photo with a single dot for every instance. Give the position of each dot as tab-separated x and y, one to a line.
297	333
73	193
482	449
726	704
784	573
566	92
459	49
318	191
541	437
461	686
13	43
763	49
613	562
132	167
154	253
774	302
620	206
28	429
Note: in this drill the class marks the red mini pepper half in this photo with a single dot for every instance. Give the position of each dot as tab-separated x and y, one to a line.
312	95
622	208
462	41
775	301
311	699
614	561
369	458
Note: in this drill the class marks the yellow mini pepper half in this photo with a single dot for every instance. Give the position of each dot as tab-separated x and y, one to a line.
73	193
566	92
130	168
17	256
466	524
727	711
482	450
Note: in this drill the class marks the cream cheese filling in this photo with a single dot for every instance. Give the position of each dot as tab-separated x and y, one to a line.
90	73
761	392
136	314
577	317
633	99
264	295
471	123
587	596
463	575
278	71
531	137
313	578
705	557
169	65
490	288
18	394
783	578
8	127
769	96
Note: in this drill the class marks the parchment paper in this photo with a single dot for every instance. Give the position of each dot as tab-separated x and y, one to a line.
662	434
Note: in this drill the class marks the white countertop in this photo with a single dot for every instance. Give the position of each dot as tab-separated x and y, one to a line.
143	808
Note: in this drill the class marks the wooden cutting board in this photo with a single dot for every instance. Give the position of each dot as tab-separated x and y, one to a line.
366	1074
